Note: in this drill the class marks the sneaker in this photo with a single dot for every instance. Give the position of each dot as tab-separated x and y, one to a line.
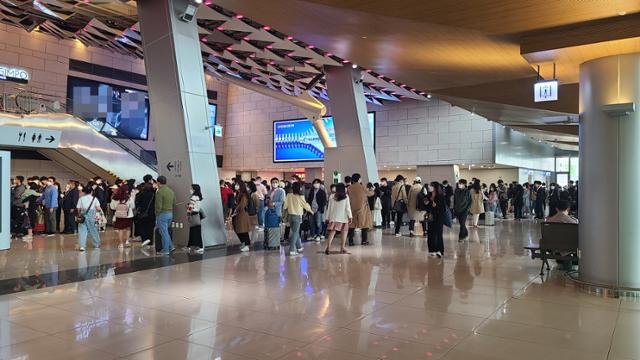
50	235
317	238
439	254
300	250
245	248
199	251
172	250
432	254
322	237
145	252
186	249
398	235
164	253
293	253
146	242
81	249
127	244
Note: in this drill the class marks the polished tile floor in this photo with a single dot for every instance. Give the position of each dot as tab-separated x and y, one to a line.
484	300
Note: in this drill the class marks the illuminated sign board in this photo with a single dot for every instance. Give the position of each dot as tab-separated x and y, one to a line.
217	130
545	91
14	74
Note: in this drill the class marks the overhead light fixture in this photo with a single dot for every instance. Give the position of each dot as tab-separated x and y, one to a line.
428	96
355	66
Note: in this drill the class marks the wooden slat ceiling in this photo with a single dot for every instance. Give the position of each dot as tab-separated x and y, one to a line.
492	16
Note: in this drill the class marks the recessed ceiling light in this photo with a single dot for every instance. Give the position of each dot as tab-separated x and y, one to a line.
428	96
354	66
622	13
364	37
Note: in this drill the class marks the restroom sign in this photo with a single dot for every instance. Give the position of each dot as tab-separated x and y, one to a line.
9	73
545	91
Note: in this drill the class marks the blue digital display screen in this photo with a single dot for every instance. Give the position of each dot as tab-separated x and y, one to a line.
297	140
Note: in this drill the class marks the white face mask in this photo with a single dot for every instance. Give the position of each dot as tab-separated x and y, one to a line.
274	185
430	188
316	186
553	187
237	187
460	186
191	191
384	183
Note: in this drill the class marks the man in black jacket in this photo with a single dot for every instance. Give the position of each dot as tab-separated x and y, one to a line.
541	197
69	205
317	198
448	192
385	201
461	206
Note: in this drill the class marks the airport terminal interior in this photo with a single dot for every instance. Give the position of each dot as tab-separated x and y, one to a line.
319	179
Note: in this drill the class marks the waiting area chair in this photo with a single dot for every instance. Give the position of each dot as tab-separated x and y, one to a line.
559	242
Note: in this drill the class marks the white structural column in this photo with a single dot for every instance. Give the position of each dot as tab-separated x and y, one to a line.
609	199
180	114
354	152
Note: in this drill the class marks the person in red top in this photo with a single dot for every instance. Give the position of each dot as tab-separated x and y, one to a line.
225	193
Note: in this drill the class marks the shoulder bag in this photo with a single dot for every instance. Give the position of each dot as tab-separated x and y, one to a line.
81	218
399	205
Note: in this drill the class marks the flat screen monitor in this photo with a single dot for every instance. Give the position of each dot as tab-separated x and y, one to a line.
297	140
114	110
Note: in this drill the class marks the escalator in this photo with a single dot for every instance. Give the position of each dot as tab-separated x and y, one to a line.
86	151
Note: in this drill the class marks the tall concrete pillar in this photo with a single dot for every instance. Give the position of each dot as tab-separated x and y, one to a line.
179	112
609	171
354	152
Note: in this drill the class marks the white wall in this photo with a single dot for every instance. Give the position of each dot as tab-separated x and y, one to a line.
489	176
407	133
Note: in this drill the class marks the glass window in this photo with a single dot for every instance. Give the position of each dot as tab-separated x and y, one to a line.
562	164
562	179
575	168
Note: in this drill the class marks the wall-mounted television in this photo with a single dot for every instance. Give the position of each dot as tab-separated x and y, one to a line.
114	110
297	140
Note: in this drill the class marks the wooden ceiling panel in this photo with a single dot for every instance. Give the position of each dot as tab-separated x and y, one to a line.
493	16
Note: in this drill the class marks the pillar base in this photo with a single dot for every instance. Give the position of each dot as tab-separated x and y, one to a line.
601	290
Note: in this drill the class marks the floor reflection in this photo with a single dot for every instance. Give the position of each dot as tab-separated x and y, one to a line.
390	300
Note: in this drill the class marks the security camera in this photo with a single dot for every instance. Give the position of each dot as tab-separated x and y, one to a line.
190	12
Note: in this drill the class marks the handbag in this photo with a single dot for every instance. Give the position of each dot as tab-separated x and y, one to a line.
399	205
194	219
82	218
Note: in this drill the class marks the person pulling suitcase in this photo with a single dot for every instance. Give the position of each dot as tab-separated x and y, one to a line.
272	227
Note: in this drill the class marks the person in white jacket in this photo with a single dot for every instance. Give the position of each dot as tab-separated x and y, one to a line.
338	217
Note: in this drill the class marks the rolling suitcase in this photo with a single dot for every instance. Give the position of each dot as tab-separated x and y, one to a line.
489	219
273	238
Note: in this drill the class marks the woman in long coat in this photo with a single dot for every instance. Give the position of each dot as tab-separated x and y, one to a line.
415	213
241	218
477	203
362	219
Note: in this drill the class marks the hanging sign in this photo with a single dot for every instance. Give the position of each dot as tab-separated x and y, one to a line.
545	91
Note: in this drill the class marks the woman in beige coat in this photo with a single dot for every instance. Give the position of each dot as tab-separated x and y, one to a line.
241	218
415	214
359	201
477	203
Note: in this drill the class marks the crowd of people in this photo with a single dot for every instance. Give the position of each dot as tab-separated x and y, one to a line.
309	211
141	212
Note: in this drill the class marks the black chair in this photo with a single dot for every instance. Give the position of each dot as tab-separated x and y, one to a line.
559	242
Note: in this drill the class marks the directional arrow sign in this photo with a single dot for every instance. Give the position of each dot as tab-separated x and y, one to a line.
29	137
170	166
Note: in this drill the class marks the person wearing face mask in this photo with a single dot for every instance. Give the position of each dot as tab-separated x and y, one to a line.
226	193
540	199
385	201
359	201
415	206
436	208
461	206
317	199
554	198
277	195
399	201
477	203
195	215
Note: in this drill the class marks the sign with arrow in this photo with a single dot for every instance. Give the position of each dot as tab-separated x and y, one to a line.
29	137
175	168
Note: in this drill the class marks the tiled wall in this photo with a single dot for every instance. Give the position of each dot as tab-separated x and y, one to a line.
47	60
408	133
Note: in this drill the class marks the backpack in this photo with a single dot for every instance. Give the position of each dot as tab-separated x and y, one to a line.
122	210
448	219
422	201
251	207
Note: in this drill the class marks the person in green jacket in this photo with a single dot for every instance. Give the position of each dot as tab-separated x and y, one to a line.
165	202
461	205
